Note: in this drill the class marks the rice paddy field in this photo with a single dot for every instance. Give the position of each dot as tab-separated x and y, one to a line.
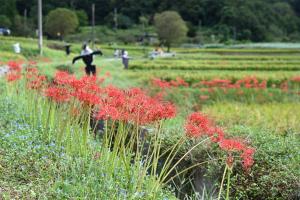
212	123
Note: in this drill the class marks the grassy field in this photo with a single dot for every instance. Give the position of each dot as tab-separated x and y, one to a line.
260	110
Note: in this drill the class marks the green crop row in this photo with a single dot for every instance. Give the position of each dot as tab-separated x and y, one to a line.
207	56
239	51
215	65
192	77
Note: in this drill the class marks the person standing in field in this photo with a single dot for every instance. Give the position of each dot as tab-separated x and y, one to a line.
87	57
125	59
116	53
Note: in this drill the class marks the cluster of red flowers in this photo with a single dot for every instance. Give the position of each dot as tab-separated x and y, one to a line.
15	68
65	86
35	81
211	86
133	105
296	79
199	125
173	83
247	82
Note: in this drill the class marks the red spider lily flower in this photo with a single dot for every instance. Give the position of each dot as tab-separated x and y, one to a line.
32	70
143	109
231	145
203	89
156	112
160	83
37	83
115	96
296	79
13	76
63	78
197	125
32	63
204	97
34	80
179	82
86	89
15	66
107	74
247	157
263	84
216	134
133	106
87	98
90	83
58	94
109	112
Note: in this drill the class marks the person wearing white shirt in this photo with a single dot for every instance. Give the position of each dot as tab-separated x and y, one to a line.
87	56
125	59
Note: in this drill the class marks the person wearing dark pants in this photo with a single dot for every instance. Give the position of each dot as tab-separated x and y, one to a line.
125	59
87	57
68	49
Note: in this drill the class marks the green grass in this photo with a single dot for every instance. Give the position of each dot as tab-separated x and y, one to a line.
249	51
279	118
192	76
214	57
184	64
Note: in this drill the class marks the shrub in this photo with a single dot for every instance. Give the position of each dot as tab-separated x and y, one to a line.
5	21
61	22
82	18
170	27
275	174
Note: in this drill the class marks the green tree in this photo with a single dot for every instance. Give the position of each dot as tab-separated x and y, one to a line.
5	21
170	27
8	8
82	18
60	22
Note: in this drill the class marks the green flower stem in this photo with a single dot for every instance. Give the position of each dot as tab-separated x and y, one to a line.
222	182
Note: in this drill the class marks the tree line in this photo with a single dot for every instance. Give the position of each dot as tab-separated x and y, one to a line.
255	20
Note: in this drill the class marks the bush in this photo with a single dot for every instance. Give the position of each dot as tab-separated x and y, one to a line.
170	27
82	18
275	174
5	21
60	22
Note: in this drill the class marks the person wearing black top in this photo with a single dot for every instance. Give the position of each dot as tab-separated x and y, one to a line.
87	57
